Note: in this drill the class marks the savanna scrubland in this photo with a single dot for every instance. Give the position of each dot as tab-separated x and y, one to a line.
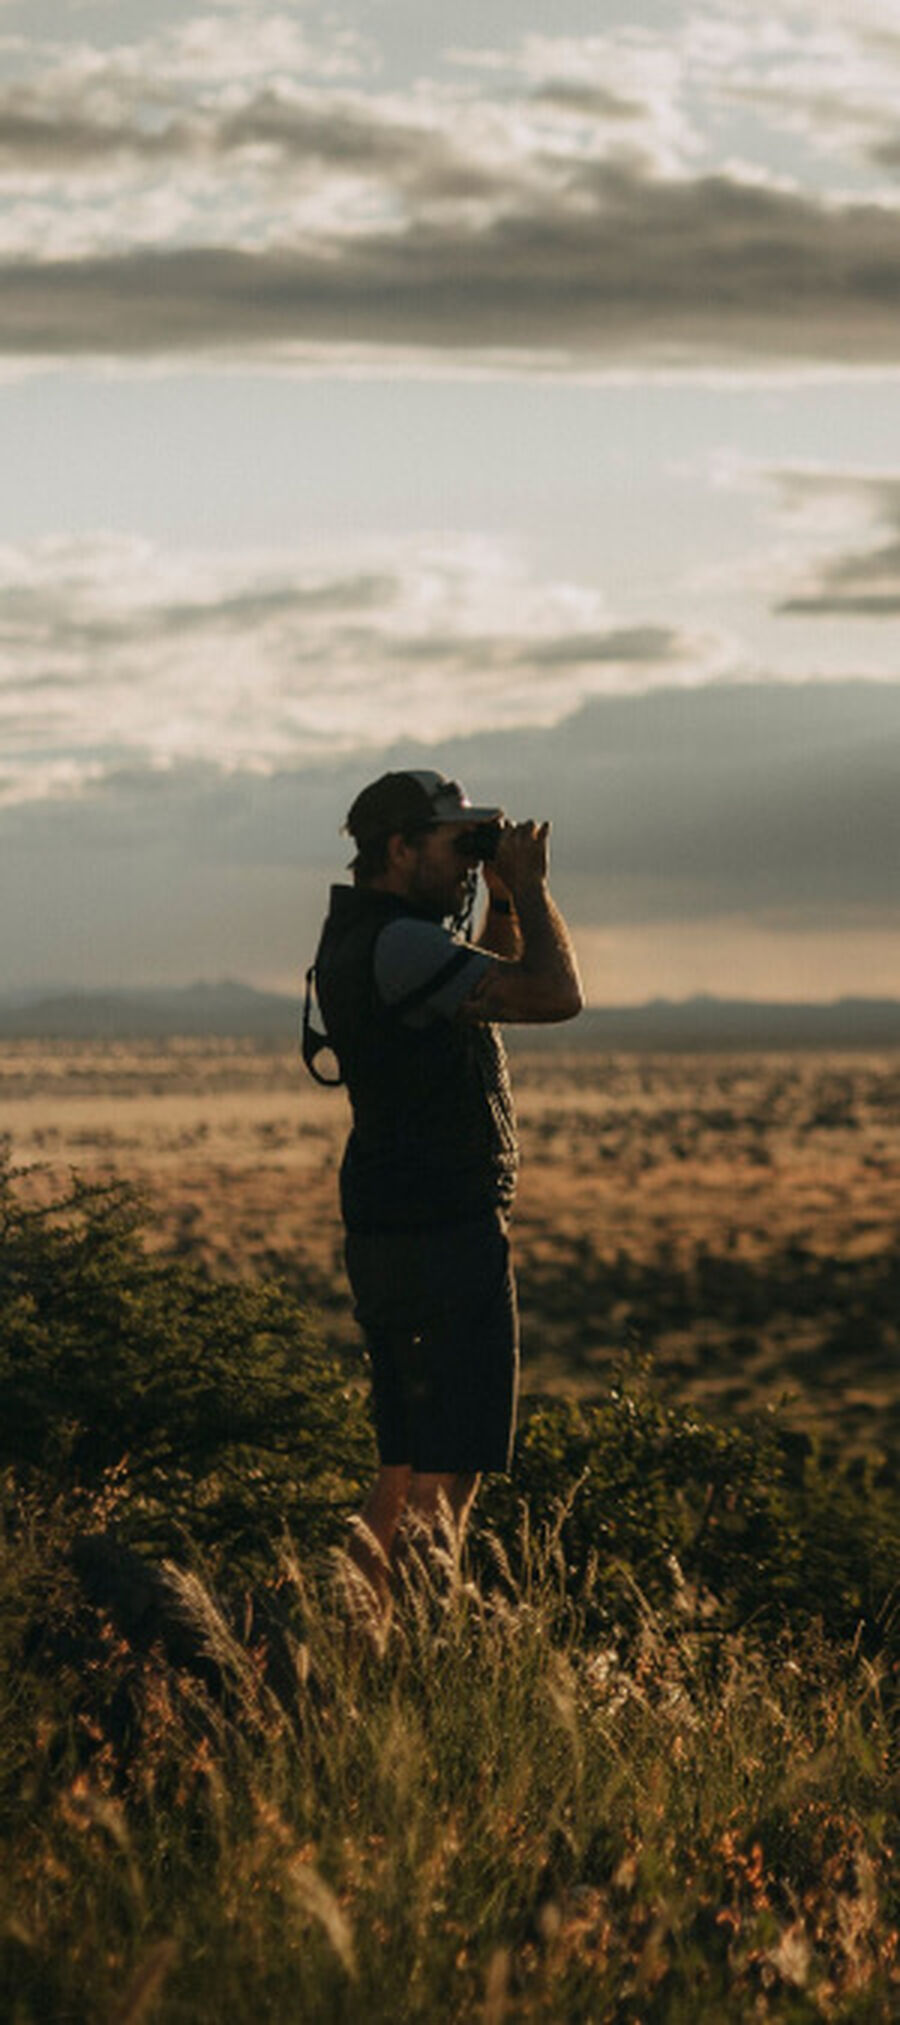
736	1219
635	1758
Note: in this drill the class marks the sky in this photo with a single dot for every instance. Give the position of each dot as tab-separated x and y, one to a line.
385	384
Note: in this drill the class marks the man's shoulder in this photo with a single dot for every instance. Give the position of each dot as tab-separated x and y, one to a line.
423	970
413	940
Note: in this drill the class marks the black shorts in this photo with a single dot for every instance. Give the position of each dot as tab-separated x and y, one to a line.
438	1311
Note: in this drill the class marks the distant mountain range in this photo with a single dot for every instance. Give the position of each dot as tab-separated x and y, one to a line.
222	1011
235	1011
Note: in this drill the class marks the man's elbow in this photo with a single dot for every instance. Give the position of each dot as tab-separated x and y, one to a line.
559	1001
566	1002
571	1002
507	992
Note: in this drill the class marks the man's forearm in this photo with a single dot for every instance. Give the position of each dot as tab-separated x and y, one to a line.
547	949
500	931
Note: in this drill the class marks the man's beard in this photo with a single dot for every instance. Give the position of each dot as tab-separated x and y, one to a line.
454	904
437	901
435	907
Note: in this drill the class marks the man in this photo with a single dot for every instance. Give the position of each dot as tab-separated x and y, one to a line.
428	1176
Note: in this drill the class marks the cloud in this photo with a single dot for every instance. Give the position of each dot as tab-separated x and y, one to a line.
265	133
824	75
225	46
627	75
115	652
842	590
769	806
763	798
587	101
572	218
826	107
887	152
859	583
707	271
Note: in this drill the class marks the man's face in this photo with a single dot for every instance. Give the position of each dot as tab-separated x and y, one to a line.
438	880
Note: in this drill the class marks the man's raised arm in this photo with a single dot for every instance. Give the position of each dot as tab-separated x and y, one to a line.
542	983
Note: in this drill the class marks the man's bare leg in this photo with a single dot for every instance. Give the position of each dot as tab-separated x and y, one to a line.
373	1537
435	1497
421	1495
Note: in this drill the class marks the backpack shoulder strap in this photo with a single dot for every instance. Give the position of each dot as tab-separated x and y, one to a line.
313	1037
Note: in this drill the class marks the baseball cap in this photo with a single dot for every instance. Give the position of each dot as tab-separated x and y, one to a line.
410	801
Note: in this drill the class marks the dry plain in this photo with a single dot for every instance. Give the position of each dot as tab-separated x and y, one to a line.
734	1220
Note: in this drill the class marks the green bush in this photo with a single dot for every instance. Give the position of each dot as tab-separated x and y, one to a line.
200	1404
213	1407
737	1523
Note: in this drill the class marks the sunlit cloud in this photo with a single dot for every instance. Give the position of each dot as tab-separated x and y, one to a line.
828	546
112	650
238	187
860	582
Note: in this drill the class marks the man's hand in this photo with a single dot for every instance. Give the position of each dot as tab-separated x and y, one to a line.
523	857
541	982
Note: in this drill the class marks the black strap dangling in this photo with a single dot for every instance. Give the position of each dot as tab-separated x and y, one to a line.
312	1040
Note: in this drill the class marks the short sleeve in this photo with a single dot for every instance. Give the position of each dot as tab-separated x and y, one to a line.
422	972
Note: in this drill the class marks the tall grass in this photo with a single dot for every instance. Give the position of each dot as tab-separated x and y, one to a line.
631	1758
488	1814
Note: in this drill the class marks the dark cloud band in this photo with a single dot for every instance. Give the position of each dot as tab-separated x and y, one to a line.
615	268
677	805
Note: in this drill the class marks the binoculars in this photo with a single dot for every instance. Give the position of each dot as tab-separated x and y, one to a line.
479	845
